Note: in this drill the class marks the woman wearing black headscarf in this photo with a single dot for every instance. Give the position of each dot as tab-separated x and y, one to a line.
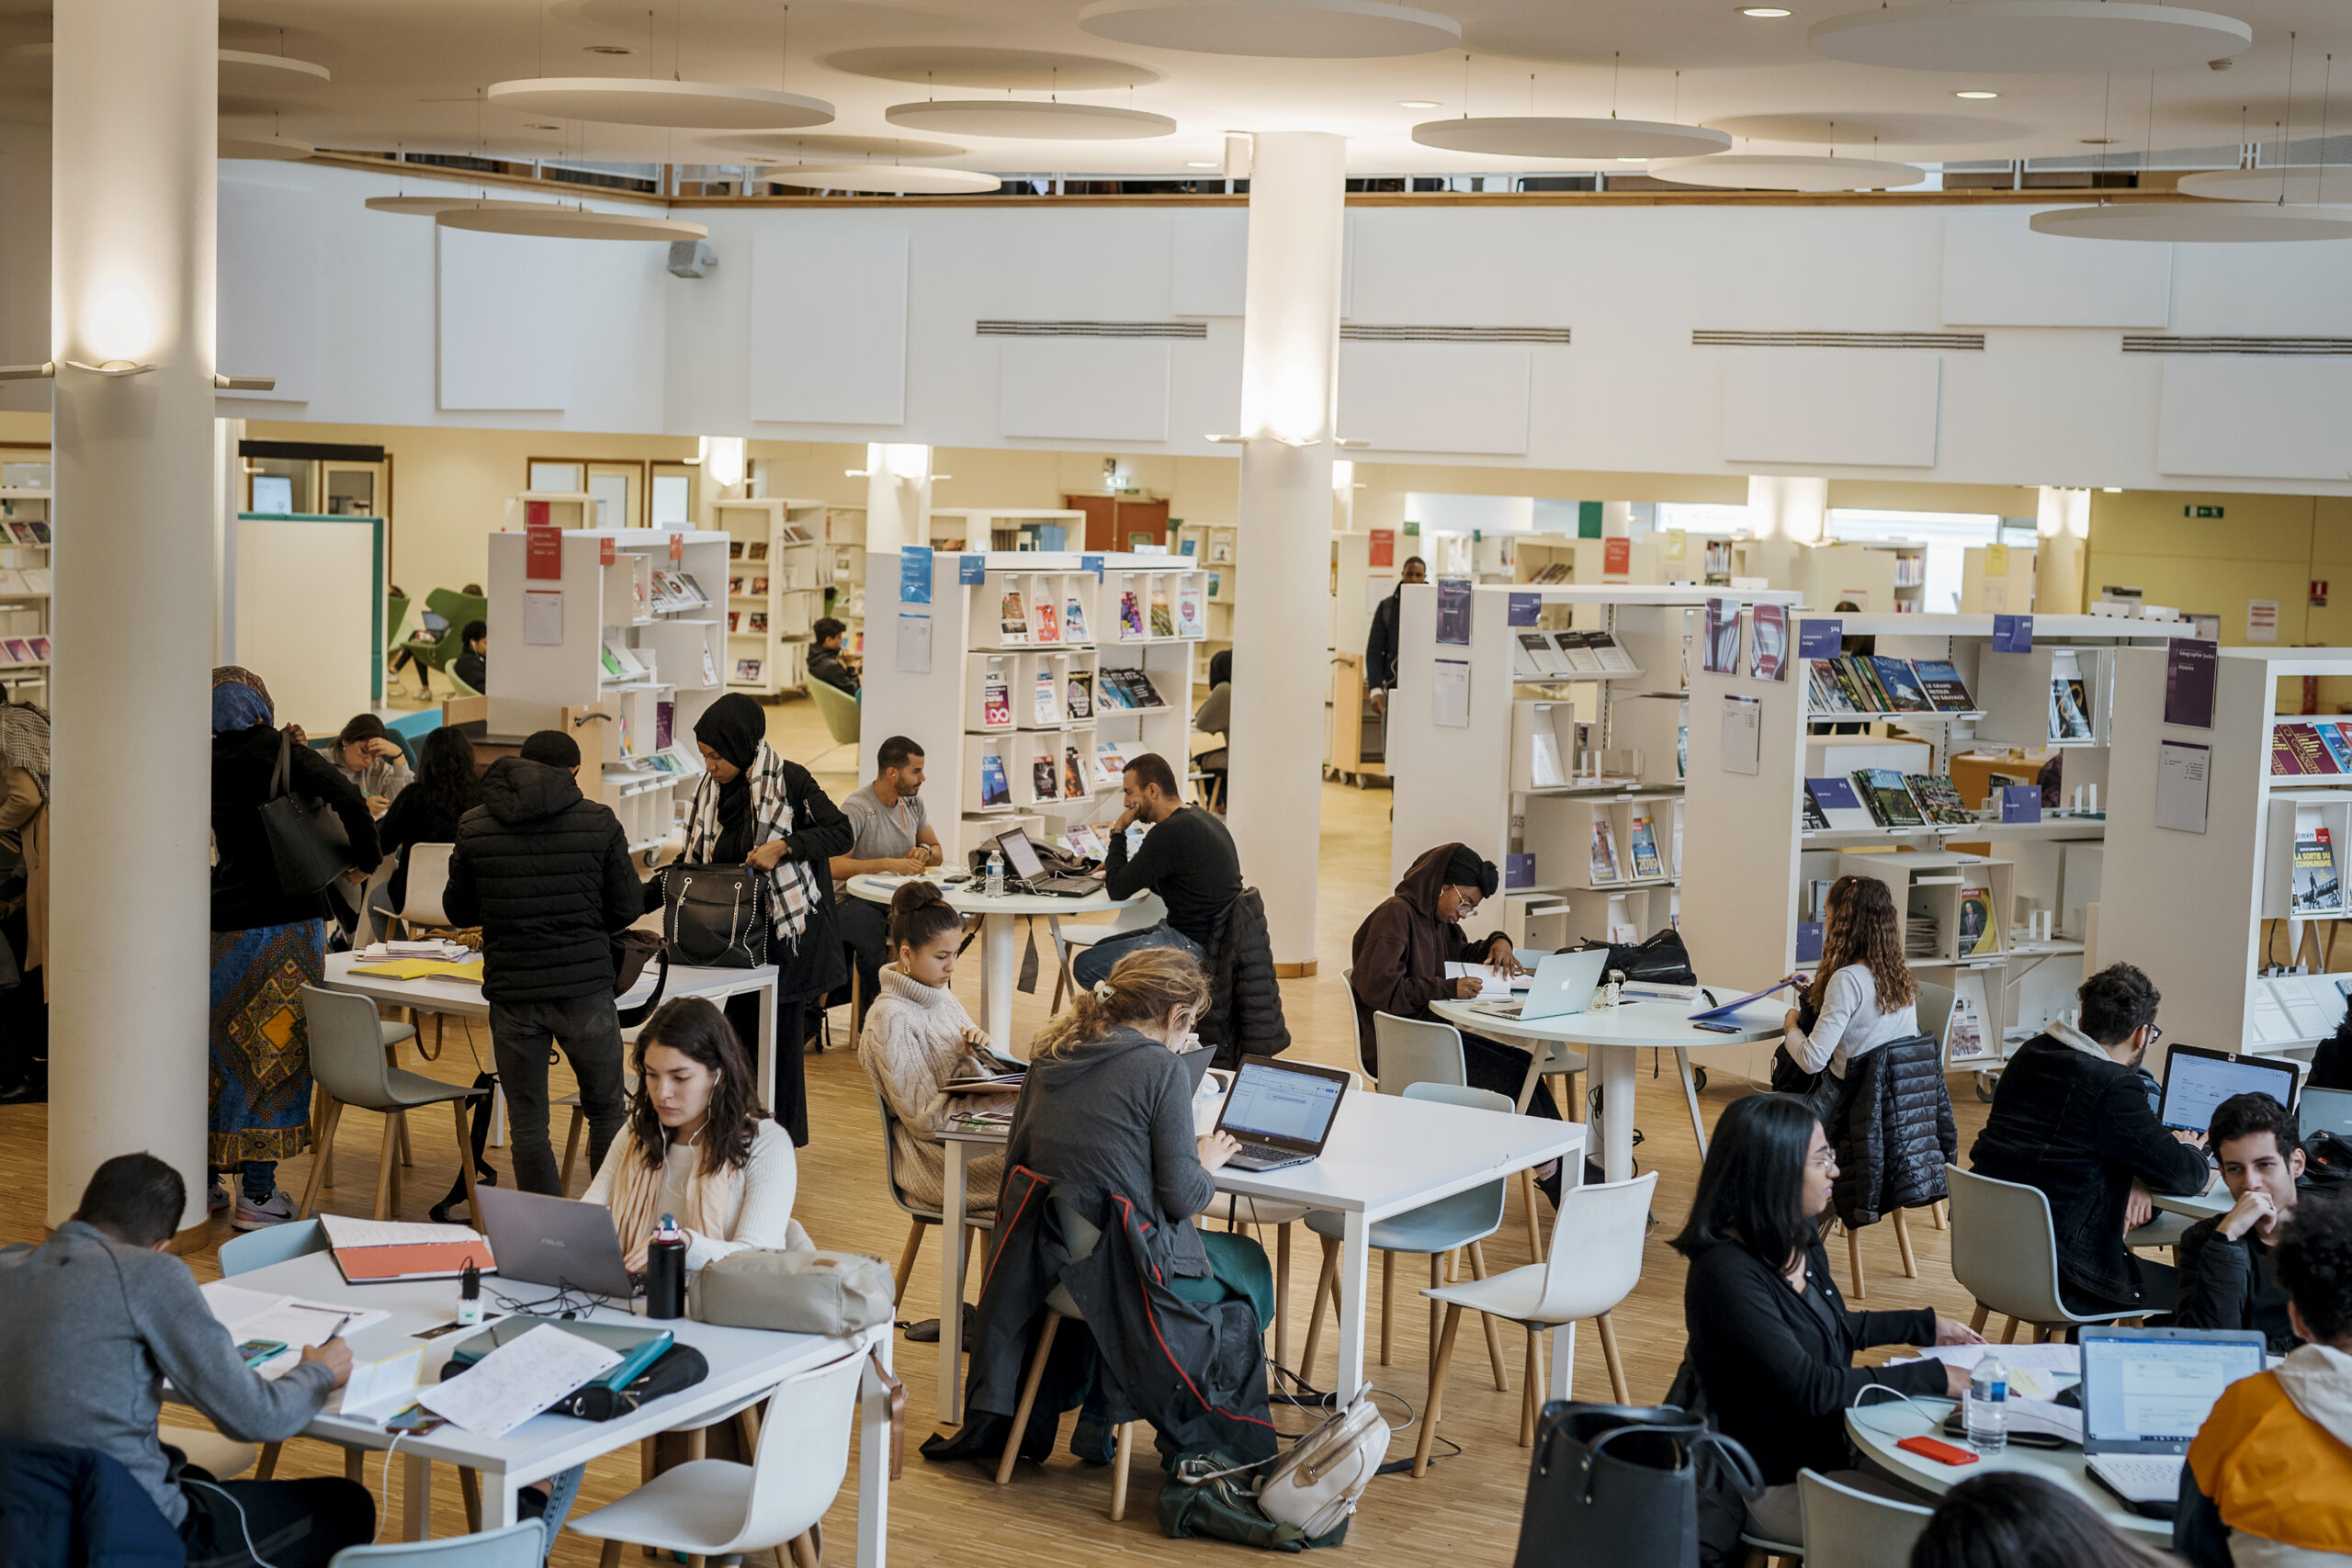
754	808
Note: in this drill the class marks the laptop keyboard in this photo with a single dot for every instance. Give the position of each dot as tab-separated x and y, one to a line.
1266	1154
2144	1478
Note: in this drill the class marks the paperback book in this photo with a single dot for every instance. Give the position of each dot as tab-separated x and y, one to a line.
1163	624
996	700
1896	679
1825	689
1840	803
1576	648
1815	819
1644	845
2317	890
996	789
2310	752
1013	620
1073	774
1939	799
757	620
759	588
1043	707
1604	853
1887	796
748	670
1979	926
1074	621
1612	658
1041	783
2331	737
1130	615
1109	763
1538	657
1079	694
1941	679
1045	626
1188	613
2069	708
759	550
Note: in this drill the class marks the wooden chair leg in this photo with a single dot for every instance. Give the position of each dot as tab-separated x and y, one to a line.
2009	1334
571	1144
1437	1389
1281	1294
408	1155
1903	1242
906	1261
611	1555
1978	1321
1532	1395
1494	1336
1119	1472
971	1250
322	1156
1535	1226
1327	1283
466	1162
804	1548
1387	1303
388	1163
1028	1398
1854	1260
470	1490
268	1465
1939	1208
397	1129
1619	1389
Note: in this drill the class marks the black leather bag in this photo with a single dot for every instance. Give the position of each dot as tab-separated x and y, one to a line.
679	1367
1618	1486
632	951
1661	961
715	917
306	841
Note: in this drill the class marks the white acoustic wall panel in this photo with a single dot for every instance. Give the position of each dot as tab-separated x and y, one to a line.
829	324
1435	397
1209	262
2255	417
1843	407
268	287
1084	388
505	314
1999	273
301	614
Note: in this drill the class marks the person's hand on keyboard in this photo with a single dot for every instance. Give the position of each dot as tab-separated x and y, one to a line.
1215	1148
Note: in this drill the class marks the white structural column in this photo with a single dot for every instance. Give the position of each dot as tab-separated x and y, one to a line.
897	497
131	280
1290	356
2063	522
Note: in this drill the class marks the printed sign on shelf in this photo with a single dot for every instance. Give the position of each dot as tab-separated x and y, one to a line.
971	570
542	550
1819	638
605	551
1384	547
914	574
1616	557
1525	607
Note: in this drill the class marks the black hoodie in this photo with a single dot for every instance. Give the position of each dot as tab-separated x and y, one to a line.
546	874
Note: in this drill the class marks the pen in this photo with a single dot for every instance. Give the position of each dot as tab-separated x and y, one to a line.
338	1330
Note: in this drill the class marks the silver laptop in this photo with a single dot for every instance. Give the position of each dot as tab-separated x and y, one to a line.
1281	1113
2326	1110
1022	855
1563	984
540	1240
2145	1392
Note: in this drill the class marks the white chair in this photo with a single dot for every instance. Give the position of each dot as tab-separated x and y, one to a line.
428	879
1847	1529
221	1458
520	1545
1595	1262
1355	1024
2005	1253
922	1217
1413	1051
712	1507
1934	1012
1145	912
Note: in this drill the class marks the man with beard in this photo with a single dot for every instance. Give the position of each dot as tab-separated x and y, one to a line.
893	838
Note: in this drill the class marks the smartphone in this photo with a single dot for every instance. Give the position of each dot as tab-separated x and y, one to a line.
1934	1449
253	1352
1716	1028
415	1421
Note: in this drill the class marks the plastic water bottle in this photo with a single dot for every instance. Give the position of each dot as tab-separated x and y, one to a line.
665	1271
996	874
1988	1407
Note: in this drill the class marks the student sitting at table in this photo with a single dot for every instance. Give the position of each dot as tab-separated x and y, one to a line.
1862	994
367	754
472	663
889	835
917	1039
2073	1117
2269	1482
95	1319
447	786
1103	1130
2229	1266
1771	1341
2011	1519
1187	858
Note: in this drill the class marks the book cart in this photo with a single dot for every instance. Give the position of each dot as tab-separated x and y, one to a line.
1553	748
1029	688
2234	922
773	589
1796	783
25	583
622	650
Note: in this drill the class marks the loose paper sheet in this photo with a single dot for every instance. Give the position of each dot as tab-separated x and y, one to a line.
518	1381
250	1314
2183	780
1743	735
1449	695
346	1230
914	644
1494	985
543	617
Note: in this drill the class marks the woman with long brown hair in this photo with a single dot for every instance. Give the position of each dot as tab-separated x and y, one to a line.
1862	994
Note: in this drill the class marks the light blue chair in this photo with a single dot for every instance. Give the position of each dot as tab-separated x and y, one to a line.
519	1545
259	1249
1464	1220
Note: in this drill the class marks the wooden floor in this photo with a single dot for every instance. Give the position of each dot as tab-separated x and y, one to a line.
1464	1512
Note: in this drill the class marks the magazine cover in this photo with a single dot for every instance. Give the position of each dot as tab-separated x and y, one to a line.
1768	642
1044	624
1043	709
1012	619
1815	819
2311	751
1042	782
1130	615
2070	709
1980	928
1074	622
747	670
995	788
1162	623
1604	853
1940	680
996	700
1081	698
1188	614
1109	765
759	621
1888	797
1824	692
1073	775
1646	861
1902	686
2316	888
2331	737
1722	636
1939	799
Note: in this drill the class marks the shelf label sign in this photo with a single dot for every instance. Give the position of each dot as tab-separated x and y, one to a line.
1092	564
914	574
542	551
605	551
1384	547
1524	608
1453	611
1821	637
2020	803
2013	634
1616	557
2191	670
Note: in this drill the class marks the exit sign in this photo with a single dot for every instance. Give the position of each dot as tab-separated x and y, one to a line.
2201	512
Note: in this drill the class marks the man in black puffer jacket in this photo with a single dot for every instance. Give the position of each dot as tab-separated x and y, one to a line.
546	874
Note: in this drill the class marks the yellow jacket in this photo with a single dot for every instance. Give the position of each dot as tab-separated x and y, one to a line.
2275	1454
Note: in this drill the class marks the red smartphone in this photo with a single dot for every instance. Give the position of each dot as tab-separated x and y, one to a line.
1941	1452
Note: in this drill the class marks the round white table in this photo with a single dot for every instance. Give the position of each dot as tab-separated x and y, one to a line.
1877	1426
1612	1037
999	962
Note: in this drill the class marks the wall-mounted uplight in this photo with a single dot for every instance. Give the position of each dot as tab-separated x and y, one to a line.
721	457
118	324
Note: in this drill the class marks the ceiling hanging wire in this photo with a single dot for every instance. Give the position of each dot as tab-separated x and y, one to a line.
2326	95
1616	69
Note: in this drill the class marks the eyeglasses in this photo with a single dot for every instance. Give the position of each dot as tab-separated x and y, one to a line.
2155	1034
1822	1160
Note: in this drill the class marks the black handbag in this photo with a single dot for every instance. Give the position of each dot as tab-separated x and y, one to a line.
715	917
1618	1486
1661	961
307	840
679	1367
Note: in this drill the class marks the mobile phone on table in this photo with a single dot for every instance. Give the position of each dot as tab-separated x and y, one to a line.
1716	1028
1938	1450
253	1352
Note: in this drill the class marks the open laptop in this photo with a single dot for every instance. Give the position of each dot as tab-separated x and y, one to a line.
2198	1078
1563	984
2145	1392
1281	1113
2326	1110
1022	855
554	1241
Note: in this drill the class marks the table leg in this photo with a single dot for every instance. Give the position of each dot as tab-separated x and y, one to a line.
874	1459
1354	1283
500	1505
765	1045
1690	1098
1612	1068
951	1279
1564	1361
998	970
417	1494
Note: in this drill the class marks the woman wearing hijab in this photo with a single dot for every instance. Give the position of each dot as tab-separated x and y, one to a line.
24	916
754	808
266	945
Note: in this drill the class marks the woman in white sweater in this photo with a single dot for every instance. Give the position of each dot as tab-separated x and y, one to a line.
917	1039
1862	994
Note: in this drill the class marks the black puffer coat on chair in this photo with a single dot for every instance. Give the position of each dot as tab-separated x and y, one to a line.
1893	1132
1245	1013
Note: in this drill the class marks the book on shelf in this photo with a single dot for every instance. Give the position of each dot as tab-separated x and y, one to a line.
734	550
759	588
2298	748
1188	613
2338	746
1577	650
1901	684
996	789
1042	782
1604	852
40	647
1887	796
996	700
18	650
1216	585
1768	642
1980	924
1013	620
620	660
1644	847
759	551
1613	658
665	724
1163	624
1188	548
1824	687
1220	550
1968	1035
758	621
748	670
693	589
735	588
1538	657
2317	890
1939	800
1078	694
734	621
1840	803
1815	819
1044	624
1074	620
1073	775
1939	678
1130	615
1110	762
1045	706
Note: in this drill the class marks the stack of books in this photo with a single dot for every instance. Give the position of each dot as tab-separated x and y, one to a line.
1877	683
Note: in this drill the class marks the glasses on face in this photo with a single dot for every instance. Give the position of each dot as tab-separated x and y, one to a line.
2155	1034
1821	1159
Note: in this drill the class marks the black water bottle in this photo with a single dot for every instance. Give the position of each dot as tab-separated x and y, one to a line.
665	1271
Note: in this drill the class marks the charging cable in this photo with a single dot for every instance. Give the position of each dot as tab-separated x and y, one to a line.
243	1528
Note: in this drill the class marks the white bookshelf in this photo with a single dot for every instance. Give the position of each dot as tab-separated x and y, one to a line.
773	590
1997	579
2198	910
841	569
1214	549
26	645
1547	758
982	752
631	667
1558	560
1007	530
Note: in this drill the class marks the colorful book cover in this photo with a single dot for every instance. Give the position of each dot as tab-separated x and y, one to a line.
1147	695
1604	853
1768	647
1888	797
615	669
2070	709
1045	626
1902	686
1073	775
1074	622
1939	799
1188	614
2284	760
734	621
747	670
759	550
2317	889
40	647
2331	737
1815	819
1646	861
1130	615
1043	709
1980	927
1826	692
1042	782
19	651
758	621
665	725
2311	751
1080	695
734	550
995	788
735	588
759	588
1109	764
1013	620
1162	623
996	700
1941	679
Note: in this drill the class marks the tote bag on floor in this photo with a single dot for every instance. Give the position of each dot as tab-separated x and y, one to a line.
1617	1486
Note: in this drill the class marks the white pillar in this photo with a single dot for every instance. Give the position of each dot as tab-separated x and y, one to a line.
1289	357
2063	521
131	279
897	497
1787	506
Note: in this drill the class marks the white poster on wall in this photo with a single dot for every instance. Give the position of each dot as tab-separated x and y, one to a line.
2262	620
1743	735
2184	771
543	617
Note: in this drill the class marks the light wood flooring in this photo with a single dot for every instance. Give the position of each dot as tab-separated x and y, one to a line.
1464	1512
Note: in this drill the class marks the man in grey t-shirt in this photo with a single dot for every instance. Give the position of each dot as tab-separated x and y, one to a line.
892	837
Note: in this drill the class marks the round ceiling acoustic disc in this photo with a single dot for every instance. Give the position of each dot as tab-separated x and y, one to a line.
1276	29
994	70
1757	171
1539	136
434	206
242	72
1029	120
2074	36
250	144
885	179
547	221
2298	184
823	144
685	106
2198	222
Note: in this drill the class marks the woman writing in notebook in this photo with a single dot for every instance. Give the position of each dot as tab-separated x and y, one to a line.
1862	994
917	1039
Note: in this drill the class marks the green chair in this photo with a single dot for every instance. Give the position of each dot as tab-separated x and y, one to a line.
841	711
457	685
395	614
457	609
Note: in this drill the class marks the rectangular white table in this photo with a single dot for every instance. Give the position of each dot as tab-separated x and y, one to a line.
1385	1156
744	1364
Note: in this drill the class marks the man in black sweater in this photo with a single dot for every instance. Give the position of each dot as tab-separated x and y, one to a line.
2074	1117
1380	648
2228	1275
1188	859
545	872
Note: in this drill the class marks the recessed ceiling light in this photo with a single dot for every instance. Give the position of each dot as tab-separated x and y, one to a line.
1416	103
1974	93
1765	11
1629	160
607	49
2110	490
1211	165
2097	140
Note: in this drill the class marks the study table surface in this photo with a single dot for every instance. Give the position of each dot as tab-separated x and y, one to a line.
999	962
1613	1037
1385	1156
744	1364
1877	1426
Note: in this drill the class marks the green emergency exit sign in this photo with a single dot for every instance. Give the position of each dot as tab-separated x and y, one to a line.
2201	512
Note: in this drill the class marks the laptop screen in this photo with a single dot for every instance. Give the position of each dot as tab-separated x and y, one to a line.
2195	1084
2158	1390
2326	1110
1018	849
1268	1102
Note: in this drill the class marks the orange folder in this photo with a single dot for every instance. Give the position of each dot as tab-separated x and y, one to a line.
417	1261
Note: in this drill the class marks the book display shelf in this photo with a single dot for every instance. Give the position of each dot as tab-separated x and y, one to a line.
1028	689
1846	767
772	592
1552	747
1006	530
621	649
1555	560
25	583
2230	898
840	567
1214	548
1881	576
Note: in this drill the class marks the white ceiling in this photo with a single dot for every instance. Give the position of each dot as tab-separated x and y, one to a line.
407	72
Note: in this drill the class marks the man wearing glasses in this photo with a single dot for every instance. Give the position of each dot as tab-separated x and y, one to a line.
2075	1116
